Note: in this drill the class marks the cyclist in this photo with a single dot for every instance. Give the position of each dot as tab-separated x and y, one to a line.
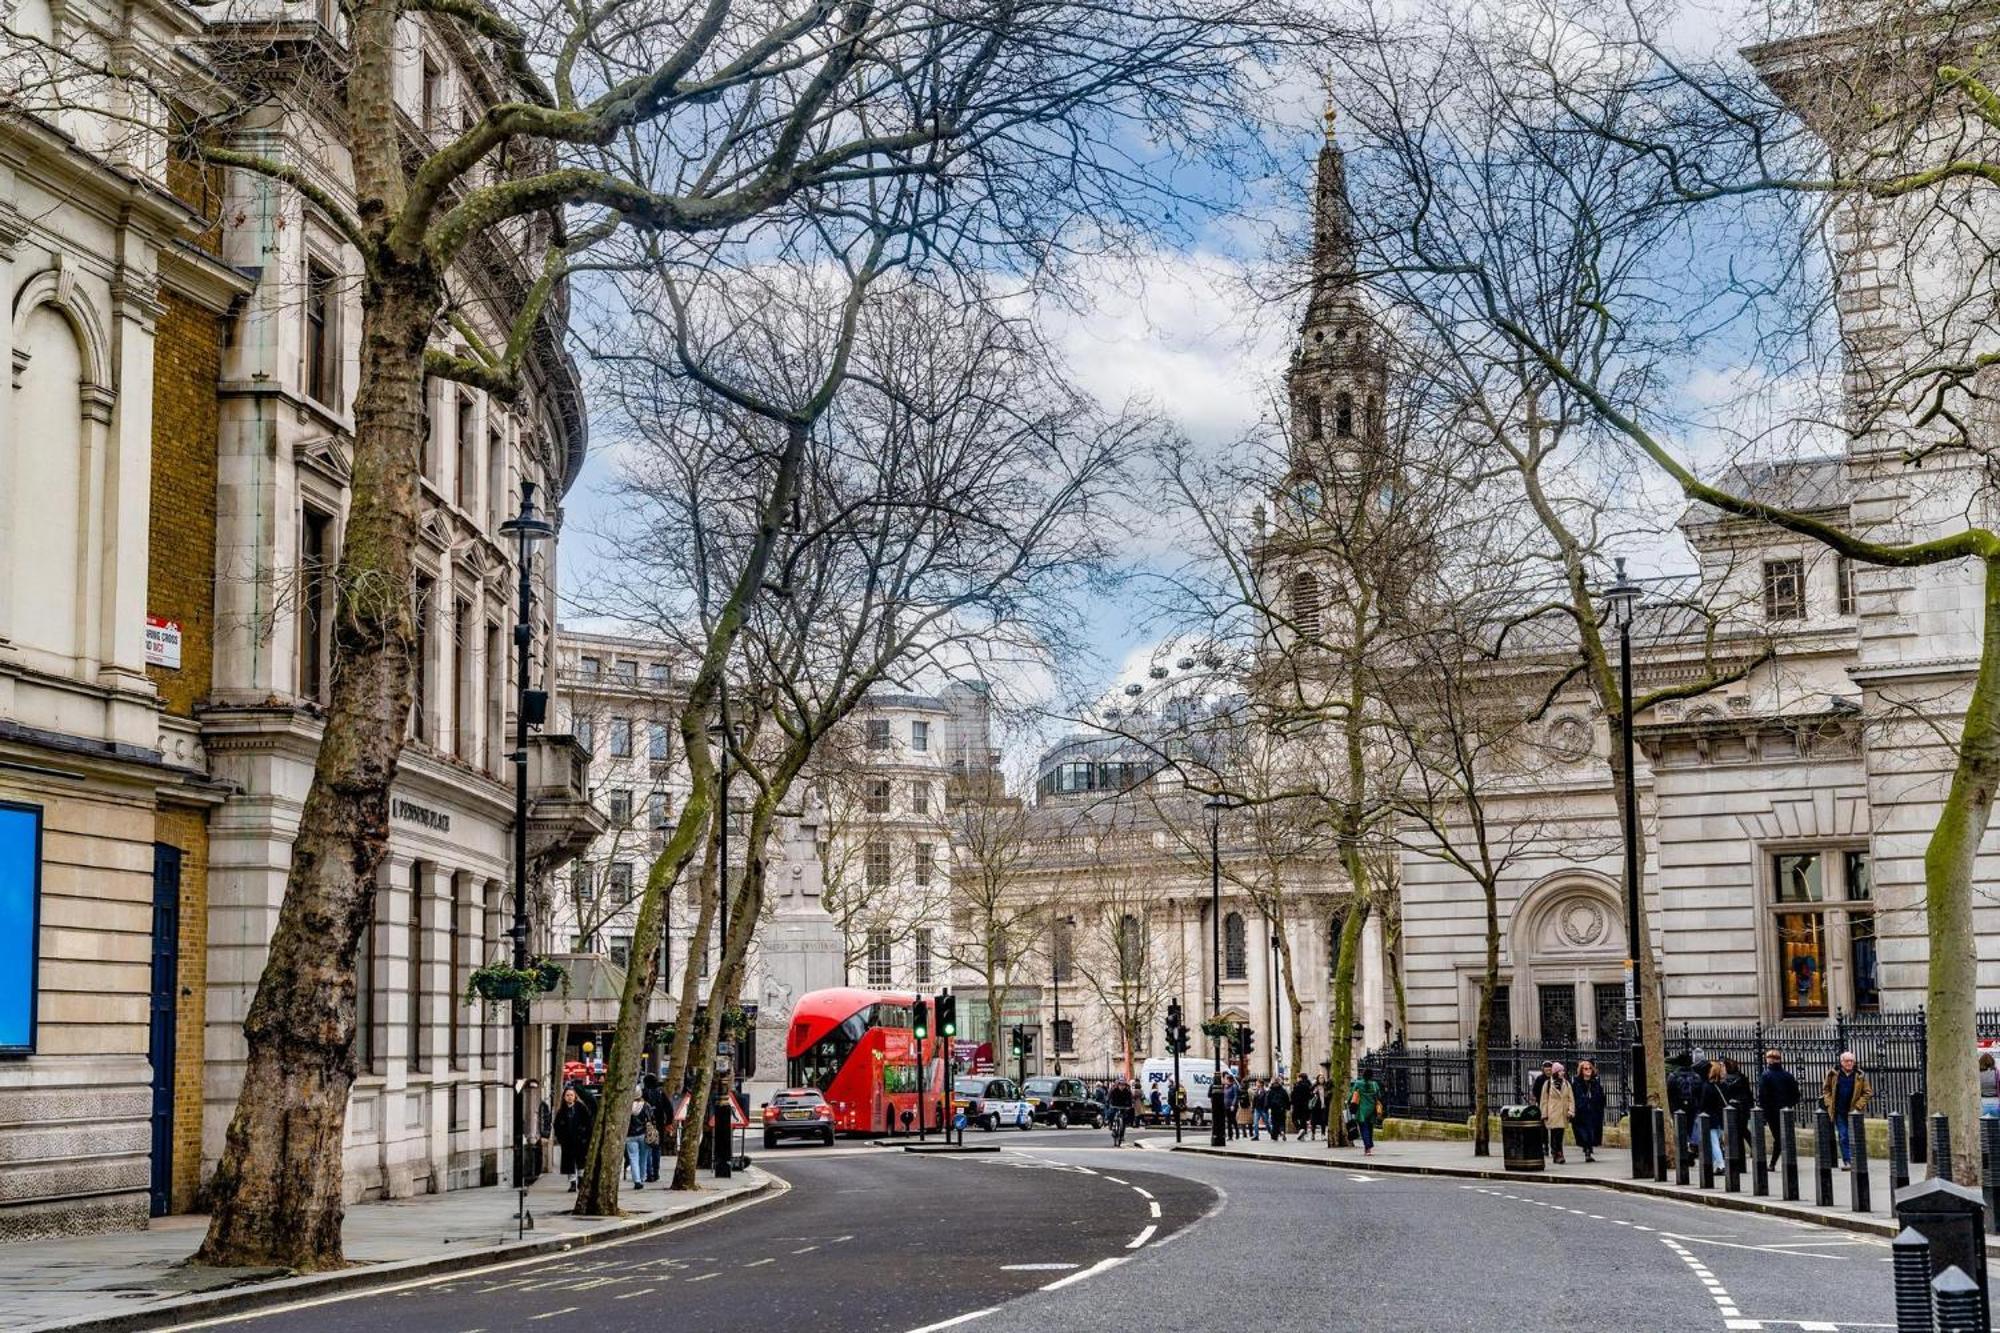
1121	1111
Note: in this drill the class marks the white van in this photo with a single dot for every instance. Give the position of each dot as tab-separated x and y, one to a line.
1196	1077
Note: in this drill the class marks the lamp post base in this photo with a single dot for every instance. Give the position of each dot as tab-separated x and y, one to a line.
1639	1123
1215	1114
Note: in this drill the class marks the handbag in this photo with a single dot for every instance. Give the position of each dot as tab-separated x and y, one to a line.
652	1135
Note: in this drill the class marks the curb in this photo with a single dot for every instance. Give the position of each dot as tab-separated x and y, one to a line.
1863	1223
354	1281
929	1150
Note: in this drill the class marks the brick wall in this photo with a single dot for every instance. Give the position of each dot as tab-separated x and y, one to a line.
186	420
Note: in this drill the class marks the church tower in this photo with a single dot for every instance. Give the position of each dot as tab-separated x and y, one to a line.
1339	373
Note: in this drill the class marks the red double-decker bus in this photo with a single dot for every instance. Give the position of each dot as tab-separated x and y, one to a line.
858	1048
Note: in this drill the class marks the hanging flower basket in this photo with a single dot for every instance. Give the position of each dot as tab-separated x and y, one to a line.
502	983
1217	1029
735	1023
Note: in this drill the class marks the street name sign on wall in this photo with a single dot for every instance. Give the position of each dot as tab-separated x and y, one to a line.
163	642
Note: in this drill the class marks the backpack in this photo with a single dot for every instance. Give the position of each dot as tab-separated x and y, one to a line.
1684	1090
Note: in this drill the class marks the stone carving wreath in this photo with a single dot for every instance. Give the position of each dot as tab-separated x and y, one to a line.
1580	922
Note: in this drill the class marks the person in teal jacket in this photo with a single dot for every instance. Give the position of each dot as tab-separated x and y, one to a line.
1364	1099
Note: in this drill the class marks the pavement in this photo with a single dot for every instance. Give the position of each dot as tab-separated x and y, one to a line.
1612	1170
145	1279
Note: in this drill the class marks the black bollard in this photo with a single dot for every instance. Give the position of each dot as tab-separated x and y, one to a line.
1707	1159
1760	1170
1659	1144
1899	1156
1913	1282
1788	1156
1940	1147
1683	1130
1989	1138
1919	1122
1958	1301
1857	1137
1732	1143
1823	1153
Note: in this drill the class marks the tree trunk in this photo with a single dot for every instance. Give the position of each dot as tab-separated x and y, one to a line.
679	1052
1482	1134
277	1192
1653	1014
1293	1005
1340	1050
1950	1075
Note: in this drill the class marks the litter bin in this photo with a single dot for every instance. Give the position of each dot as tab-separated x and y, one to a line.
1524	1140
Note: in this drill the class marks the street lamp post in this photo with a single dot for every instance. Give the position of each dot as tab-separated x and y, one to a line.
527	528
1215	805
1622	599
723	1134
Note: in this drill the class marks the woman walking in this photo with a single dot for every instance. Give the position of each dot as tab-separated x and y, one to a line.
1738	1092
1302	1108
1558	1103
1587	1091
572	1133
1713	1105
1364	1098
639	1124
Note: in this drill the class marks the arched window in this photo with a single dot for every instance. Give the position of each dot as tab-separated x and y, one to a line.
1343	415
1235	952
1315	414
1131	947
1305	604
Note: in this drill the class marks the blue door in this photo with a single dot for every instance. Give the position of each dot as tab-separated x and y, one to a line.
166	995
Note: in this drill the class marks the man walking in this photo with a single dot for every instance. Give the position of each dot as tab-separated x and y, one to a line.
1231	1095
1260	1109
1278	1102
1846	1090
1777	1094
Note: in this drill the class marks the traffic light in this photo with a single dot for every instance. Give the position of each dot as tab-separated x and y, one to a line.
947	1015
920	1019
1177	1039
1246	1041
1018	1044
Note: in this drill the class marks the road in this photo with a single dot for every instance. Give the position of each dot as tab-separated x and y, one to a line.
1060	1232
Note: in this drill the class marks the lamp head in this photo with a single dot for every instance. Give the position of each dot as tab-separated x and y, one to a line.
1622	597
527	525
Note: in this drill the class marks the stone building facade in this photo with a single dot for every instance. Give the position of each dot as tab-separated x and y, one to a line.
173	474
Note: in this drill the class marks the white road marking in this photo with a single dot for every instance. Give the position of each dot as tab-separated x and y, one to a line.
1155	1206
1141	1238
956	1320
806	1249
704	1277
567	1309
643	1291
1037	1268
1091	1271
1116	1181
1141	1193
758	1263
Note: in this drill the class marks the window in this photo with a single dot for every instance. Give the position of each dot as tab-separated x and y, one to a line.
591	668
621	738
878	958
875	797
455	936
585	734
1305	604
1500	1031
496	471
921	860
920	736
433	95
415	1030
1823	933
658	674
657	810
621	950
659	742
1784	589
315	604
1843	586
1315	418
876	861
366	1048
878	733
619	885
1065	1036
1235	952
920	797
1343	415
626	671
466	482
923	956
422	715
621	807
322	349
1131	947
464	684
496	690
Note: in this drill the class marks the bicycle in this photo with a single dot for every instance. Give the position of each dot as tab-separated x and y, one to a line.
1117	1128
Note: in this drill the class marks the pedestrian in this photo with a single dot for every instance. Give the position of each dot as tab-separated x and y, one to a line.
1302	1108
1777	1093
1845	1091
1153	1100
1684	1094
639	1125
1232	1103
1738	1094
1260	1108
1989	1085
1558	1105
1322	1107
654	1098
1588	1123
1712	1106
572	1133
1535	1083
1364	1099
1279	1101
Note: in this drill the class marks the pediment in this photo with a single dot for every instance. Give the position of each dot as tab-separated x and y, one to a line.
328	455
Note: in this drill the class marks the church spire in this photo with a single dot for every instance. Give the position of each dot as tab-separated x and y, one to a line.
1333	261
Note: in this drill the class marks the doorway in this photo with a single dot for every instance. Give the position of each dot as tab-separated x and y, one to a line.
165	1008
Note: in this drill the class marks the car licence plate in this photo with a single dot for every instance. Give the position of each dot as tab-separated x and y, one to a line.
798	1115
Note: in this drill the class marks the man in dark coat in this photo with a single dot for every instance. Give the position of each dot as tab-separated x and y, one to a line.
1587	1121
1777	1094
1302	1095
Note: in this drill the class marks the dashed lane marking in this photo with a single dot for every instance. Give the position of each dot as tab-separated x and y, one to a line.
805	1249
643	1291
1037	1268
704	1277
1141	1238
759	1263
1154	1204
1100	1266
956	1320
567	1309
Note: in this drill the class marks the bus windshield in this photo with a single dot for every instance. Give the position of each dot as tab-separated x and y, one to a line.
822	1060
